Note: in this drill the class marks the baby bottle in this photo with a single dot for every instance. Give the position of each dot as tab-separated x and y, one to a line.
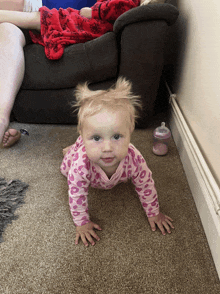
161	138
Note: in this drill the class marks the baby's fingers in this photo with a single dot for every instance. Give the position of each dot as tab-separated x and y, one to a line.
89	238
170	224
152	225
161	227
168	218
97	227
167	225
77	238
168	221
94	235
82	236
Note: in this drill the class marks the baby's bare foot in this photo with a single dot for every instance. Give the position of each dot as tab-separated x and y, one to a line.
11	137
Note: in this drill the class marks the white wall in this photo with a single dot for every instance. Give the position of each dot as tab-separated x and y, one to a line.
198	71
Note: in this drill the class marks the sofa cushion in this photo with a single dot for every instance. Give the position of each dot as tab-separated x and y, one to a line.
50	106
93	61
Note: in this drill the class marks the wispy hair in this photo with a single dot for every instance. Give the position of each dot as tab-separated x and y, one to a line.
119	96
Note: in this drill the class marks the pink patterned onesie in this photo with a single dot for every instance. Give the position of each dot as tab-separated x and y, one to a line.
81	173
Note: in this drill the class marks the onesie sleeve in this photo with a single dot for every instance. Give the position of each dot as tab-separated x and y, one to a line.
76	167
78	192
144	185
110	10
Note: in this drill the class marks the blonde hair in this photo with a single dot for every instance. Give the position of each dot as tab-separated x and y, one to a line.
88	102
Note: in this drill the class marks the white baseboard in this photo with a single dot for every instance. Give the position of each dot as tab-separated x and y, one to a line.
204	189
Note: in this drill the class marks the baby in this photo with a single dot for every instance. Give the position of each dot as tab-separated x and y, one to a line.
103	156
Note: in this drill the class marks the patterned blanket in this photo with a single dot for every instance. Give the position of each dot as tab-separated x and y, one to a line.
63	27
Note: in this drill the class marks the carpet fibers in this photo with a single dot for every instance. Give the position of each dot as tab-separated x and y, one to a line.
38	254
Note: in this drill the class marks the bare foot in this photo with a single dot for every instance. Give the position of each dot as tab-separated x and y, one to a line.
11	137
66	150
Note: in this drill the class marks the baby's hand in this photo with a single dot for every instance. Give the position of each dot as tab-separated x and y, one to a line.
162	221
86	232
86	12
65	150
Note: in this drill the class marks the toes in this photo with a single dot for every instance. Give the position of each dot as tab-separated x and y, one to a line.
6	136
11	137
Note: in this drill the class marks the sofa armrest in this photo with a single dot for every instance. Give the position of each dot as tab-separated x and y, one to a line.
141	38
166	12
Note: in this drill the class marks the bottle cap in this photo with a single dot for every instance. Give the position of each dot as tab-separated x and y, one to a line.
162	132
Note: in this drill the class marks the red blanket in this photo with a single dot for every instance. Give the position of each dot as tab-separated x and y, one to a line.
63	27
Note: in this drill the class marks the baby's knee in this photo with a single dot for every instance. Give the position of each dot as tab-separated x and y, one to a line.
12	33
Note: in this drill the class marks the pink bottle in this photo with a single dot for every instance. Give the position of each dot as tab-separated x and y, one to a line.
161	140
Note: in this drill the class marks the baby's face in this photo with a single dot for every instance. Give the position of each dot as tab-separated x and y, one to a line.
106	136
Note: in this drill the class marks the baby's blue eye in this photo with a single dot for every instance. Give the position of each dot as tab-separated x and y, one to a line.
117	136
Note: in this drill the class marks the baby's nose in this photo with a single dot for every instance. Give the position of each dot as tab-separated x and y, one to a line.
107	146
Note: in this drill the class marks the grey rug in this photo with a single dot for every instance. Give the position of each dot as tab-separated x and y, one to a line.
11	197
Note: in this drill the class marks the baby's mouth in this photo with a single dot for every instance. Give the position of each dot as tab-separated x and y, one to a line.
108	159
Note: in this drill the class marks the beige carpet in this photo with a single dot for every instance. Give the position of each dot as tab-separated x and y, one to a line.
38	254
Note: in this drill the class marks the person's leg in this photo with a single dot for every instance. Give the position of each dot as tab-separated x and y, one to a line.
24	20
12	42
